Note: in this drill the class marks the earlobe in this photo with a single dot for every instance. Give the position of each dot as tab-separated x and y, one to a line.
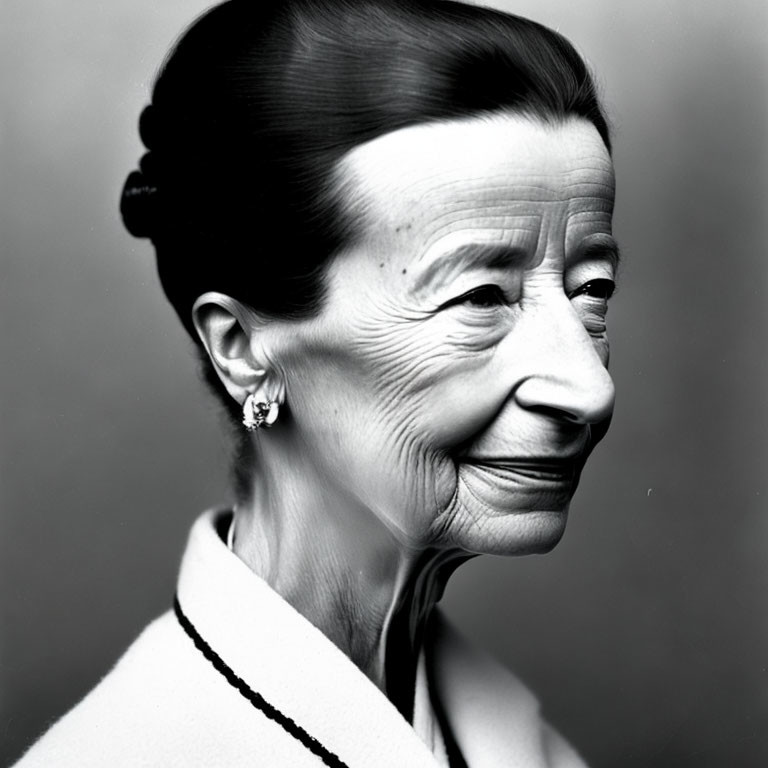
226	329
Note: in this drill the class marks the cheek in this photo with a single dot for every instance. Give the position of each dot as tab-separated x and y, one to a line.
385	409
437	378
463	403
441	390
603	349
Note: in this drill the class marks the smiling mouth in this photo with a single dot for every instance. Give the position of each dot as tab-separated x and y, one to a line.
543	470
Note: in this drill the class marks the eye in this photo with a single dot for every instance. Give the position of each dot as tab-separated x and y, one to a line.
591	302
601	289
483	296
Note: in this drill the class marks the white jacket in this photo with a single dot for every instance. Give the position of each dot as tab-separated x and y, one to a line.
236	677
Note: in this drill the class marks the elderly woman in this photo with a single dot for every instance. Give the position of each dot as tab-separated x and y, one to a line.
387	227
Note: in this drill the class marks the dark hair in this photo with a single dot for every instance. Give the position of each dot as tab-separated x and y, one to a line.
260	99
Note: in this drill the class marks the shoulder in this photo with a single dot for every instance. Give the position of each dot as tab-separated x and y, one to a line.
493	714
162	704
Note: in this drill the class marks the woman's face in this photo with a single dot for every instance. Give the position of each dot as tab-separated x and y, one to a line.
456	379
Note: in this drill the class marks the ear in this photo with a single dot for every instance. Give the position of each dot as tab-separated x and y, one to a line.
233	337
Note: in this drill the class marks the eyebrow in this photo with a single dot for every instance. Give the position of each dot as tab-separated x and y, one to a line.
600	247
472	254
499	256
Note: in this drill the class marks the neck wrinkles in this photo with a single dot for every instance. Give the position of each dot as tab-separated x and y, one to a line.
337	564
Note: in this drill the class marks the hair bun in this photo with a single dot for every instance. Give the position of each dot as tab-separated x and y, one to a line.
138	205
148	127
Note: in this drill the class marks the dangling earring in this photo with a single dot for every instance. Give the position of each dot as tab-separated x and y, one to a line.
257	414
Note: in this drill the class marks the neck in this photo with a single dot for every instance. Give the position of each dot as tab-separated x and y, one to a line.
337	564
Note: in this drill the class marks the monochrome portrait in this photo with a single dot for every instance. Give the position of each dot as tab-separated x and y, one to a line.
384	384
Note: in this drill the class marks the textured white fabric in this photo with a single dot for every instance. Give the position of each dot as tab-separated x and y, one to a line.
164	703
425	721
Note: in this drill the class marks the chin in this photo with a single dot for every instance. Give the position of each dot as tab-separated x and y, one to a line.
510	513
530	532
551	528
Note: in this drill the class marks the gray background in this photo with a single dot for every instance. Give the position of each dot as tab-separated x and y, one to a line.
645	631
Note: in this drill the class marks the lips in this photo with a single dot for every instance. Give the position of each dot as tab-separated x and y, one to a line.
530	465
522	485
538	471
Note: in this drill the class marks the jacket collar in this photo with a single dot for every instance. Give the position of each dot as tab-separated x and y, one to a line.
285	659
288	661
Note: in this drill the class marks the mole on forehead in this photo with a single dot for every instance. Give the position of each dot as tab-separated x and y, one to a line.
432	208
425	177
508	218
453	254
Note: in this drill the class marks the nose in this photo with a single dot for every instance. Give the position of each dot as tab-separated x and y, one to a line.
566	379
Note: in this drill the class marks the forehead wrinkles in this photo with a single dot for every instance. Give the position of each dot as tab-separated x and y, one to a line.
445	191
502	210
496	176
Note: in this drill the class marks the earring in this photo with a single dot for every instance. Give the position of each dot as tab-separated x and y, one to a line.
257	414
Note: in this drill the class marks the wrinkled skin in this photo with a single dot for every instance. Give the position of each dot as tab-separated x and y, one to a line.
444	400
404	400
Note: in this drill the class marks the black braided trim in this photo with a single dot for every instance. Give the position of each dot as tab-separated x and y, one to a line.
258	701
